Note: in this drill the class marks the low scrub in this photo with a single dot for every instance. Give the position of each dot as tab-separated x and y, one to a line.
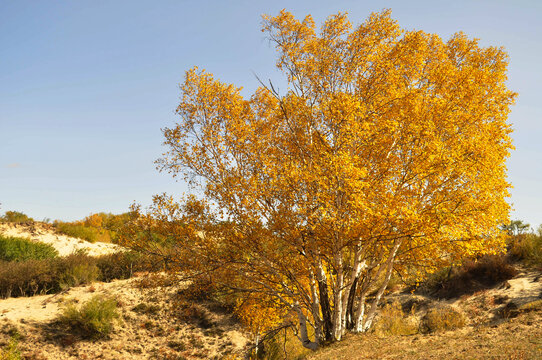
92	320
76	270
20	249
16	217
393	321
527	248
443	318
11	351
81	231
471	276
32	277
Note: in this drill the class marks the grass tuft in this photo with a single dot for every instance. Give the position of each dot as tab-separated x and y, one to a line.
392	321
443	318
94	319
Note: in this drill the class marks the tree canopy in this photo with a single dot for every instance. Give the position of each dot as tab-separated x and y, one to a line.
387	151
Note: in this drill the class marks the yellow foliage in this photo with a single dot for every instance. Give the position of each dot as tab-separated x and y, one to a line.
387	150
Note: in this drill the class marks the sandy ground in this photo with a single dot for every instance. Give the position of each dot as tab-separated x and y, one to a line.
154	332
65	245
153	323
162	333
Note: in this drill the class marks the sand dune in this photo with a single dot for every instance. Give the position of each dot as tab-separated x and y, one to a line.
64	244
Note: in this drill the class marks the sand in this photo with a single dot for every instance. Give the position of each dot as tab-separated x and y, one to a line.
65	245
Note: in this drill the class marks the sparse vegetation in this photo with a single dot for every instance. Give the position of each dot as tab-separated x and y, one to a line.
526	247
11	350
16	217
94	319
471	276
32	277
393	321
443	318
20	249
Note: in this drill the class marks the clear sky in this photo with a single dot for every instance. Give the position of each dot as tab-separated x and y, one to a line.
86	86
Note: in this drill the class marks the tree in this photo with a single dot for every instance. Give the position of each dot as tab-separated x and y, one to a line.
516	227
387	151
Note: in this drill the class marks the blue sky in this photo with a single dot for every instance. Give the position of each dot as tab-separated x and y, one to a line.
86	86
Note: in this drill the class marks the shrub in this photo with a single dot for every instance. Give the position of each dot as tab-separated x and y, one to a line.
392	321
471	276
75	270
19	249
25	278
81	231
31	277
443	318
11	351
122	265
143	308
94	319
16	217
526	247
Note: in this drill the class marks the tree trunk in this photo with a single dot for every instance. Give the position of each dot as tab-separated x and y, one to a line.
350	305
315	303
389	269
324	301
338	297
304	337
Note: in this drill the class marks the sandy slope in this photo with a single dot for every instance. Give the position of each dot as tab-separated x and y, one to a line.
156	333
64	244
159	333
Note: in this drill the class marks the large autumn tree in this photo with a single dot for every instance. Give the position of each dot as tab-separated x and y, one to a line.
386	151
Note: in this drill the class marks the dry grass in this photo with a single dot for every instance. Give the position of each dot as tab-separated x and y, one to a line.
443	318
392	321
517	338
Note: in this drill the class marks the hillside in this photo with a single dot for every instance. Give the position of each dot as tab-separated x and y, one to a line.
158	318
503	322
64	244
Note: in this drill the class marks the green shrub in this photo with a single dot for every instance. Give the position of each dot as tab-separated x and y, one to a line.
94	319
526	247
120	265
443	318
16	217
392	321
20	249
76	270
11	351
81	231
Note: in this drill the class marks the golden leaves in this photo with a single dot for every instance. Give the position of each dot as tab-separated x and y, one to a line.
383	134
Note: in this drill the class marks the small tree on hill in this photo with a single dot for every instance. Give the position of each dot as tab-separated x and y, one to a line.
387	150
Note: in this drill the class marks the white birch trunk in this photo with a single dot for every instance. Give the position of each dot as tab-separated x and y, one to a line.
318	336
338	306
389	269
304	336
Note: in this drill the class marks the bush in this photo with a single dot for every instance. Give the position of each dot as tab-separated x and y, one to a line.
94	319
392	321
81	231
31	277
526	247
11	351
20	249
16	217
443	318
471	276
122	265
75	270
